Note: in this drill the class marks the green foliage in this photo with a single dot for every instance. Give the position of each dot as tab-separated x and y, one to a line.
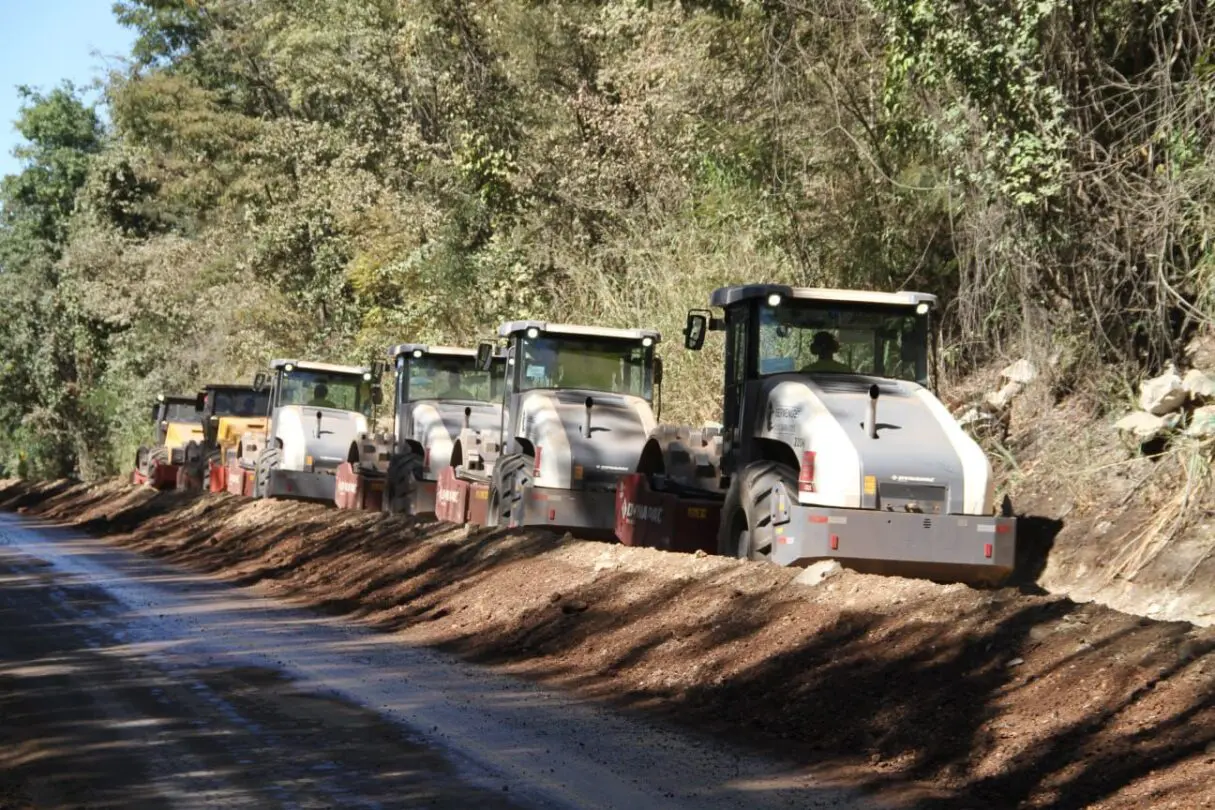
330	177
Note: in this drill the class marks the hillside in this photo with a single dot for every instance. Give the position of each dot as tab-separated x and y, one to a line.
328	178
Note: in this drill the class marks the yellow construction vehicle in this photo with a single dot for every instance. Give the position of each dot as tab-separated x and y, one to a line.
228	412
179	437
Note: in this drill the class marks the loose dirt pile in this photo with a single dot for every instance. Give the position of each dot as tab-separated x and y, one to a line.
959	698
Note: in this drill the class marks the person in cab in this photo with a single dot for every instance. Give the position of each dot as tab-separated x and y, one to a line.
320	397
823	347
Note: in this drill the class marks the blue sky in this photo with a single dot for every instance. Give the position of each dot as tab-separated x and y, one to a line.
46	41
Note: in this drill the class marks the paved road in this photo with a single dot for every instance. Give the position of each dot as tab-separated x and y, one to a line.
127	683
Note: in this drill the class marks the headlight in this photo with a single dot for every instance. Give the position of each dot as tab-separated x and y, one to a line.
533	332
417	352
774	300
922	309
647	342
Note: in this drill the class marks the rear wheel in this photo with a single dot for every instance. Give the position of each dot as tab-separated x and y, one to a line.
511	476
269	459
748	524
404	472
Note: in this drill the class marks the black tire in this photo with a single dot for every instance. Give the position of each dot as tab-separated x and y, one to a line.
404	472
156	455
747	529
511	477
270	458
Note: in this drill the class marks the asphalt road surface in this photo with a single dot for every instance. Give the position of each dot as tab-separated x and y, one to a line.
125	683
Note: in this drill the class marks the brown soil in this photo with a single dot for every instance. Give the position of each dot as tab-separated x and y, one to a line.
960	698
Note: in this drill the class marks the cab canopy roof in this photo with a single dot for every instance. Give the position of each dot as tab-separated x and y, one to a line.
726	296
424	348
228	387
177	399
308	365
513	327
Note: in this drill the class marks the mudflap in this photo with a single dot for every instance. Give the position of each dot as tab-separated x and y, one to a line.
189	479
451	497
217	478
478	504
664	520
163	476
425	494
458	501
354	489
240	481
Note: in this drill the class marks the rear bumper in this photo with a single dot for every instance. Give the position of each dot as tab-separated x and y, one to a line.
570	509
883	542
312	486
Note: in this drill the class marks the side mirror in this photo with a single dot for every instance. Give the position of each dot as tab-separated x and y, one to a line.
377	371
377	395
155	411
200	402
259	381
694	332
657	371
485	355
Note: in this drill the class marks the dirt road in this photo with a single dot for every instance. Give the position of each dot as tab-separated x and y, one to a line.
127	683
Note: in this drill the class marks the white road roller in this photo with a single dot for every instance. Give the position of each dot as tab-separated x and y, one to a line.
831	445
318	411
576	412
443	402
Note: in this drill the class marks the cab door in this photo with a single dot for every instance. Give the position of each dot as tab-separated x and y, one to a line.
738	344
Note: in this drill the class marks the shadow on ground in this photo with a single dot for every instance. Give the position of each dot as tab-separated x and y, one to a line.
961	698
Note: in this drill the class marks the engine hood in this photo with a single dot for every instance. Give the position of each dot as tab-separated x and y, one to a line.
231	428
437	425
554	422
296	427
179	434
920	451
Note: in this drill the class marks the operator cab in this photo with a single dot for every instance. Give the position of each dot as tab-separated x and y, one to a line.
220	400
177	422
774	329
448	373
322	385
594	359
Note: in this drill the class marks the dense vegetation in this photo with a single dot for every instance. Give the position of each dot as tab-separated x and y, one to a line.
325	177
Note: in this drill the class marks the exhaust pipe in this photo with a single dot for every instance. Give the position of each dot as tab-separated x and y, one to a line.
318	424
871	414
467	417
590	403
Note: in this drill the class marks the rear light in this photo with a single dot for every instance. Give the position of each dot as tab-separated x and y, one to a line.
426	460
805	477
536	468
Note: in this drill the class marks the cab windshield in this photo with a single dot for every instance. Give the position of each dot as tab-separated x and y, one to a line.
436	376
180	412
238	402
325	389
821	338
590	363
